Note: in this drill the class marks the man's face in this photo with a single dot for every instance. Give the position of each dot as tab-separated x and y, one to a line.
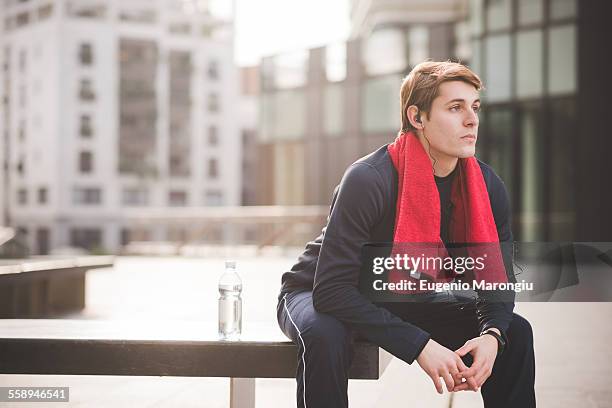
452	124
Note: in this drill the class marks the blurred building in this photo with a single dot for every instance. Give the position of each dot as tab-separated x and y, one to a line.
323	108
109	105
249	119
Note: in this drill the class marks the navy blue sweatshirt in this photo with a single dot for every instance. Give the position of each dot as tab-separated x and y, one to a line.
363	210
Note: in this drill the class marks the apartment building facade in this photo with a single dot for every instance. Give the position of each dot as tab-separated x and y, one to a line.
110	105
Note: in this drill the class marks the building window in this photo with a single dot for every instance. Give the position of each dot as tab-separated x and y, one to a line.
284	115
22	131
89	9
377	57
9	24
21	166
85	128
23	19
499	14
87	238
45	12
533	178
563	186
22	196
499	136
86	54
180	28
530	11
335	62
290	69
213	70
498	68
529	81
562	72
561	9
213	168
135	196
214	197
206	31
42	240
213	136
135	234
86	92
87	196
418	44
463	47
42	195
379	104
138	15
333	110
23	96
23	60
177	198
86	162
213	102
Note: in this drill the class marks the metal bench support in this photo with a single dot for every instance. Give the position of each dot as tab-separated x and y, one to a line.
242	392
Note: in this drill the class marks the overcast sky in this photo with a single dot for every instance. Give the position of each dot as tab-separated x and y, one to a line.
265	27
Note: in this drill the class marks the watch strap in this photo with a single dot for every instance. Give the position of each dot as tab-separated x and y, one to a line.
500	340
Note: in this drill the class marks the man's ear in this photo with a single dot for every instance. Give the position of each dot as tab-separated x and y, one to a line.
414	116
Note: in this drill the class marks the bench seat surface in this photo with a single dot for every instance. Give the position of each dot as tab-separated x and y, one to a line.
158	348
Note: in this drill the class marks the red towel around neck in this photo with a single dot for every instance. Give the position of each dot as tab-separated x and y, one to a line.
417	219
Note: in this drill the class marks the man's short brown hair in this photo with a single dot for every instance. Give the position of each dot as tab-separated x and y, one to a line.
421	85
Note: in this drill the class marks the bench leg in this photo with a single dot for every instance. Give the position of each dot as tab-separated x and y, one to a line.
242	392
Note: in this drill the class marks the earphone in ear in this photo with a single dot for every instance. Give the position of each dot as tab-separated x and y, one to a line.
418	117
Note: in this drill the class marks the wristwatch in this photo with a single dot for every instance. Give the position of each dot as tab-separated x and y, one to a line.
501	343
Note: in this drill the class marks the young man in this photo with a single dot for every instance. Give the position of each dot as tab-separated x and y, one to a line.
426	185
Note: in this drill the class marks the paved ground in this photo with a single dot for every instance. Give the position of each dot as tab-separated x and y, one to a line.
573	343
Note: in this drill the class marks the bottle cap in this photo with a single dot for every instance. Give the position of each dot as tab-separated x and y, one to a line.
230	264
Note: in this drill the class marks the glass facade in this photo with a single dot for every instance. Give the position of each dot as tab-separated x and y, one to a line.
380	104
290	70
333	110
499	140
418	44
283	115
563	145
137	104
180	113
335	62
530	12
562	9
498	68
525	51
499	14
376	58
562	60
529	61
533	173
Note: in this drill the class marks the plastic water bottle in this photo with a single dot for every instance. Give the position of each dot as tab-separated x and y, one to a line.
230	303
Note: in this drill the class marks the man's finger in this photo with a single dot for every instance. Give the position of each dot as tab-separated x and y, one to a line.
461	365
466	348
437	383
480	379
462	387
450	383
456	376
472	383
471	378
472	371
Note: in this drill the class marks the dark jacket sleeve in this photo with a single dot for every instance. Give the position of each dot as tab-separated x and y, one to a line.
357	206
495	308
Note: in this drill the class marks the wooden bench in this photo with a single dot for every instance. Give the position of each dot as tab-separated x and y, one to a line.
161	348
45	286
